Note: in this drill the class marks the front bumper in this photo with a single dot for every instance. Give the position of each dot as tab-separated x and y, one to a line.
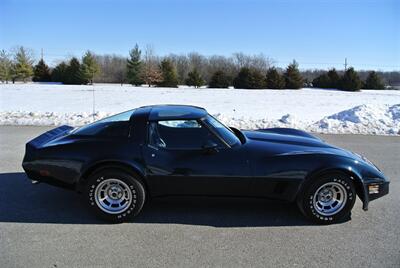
374	189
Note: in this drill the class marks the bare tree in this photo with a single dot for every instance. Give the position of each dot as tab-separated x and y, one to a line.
198	62
259	62
151	71
221	63
113	69
182	66
241	60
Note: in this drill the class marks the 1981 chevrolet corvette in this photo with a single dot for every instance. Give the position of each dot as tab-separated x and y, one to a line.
121	161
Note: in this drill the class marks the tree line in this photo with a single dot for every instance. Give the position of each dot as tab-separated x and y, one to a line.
349	80
20	67
239	70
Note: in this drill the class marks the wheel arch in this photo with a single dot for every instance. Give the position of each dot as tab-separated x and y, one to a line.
352	173
132	168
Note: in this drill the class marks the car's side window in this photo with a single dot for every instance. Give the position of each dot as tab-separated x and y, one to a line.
115	129
180	134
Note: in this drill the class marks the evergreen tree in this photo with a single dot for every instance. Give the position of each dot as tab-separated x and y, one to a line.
334	78
293	79
330	79
374	81
74	73
169	76
194	79
274	80
59	73
90	67
23	64
5	67
219	80
321	81
41	72
350	81
14	73
249	79
243	78
134	66
258	80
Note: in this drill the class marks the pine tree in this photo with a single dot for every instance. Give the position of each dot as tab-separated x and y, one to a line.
334	78
374	81
90	67
243	78
41	72
5	67
258	80
322	81
74	73
13	72
194	79
219	80
274	80
293	79
169	76
134	66
59	73
330	79
23	64
249	79
350	81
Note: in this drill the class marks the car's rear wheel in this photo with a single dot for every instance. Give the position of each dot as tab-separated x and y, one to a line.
114	195
328	198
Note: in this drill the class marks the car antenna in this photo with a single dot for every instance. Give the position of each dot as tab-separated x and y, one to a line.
93	104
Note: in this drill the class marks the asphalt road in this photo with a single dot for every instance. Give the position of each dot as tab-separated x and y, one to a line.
42	226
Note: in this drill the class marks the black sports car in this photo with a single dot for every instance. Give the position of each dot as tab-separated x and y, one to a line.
121	161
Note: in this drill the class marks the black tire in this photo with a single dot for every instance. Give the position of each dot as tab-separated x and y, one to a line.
309	202
126	185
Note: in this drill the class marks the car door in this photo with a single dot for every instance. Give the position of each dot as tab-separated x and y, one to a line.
183	157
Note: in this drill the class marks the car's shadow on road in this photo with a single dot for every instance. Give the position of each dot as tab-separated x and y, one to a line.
21	201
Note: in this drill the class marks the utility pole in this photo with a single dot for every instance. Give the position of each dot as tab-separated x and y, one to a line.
345	64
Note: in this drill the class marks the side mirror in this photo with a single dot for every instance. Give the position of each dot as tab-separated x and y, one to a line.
210	147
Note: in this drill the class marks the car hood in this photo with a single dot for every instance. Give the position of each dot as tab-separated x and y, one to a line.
293	143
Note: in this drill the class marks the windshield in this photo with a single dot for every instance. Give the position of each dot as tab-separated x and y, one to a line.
222	130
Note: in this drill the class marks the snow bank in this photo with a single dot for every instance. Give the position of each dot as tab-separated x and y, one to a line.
321	111
24	118
363	119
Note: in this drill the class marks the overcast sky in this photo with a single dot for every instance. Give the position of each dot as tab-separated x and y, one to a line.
318	34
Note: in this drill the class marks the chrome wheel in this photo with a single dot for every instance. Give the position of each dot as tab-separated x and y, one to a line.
113	196
330	198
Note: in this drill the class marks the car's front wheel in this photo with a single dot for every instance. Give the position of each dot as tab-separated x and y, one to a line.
115	195
328	198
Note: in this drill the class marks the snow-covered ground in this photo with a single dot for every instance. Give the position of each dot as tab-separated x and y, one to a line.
316	110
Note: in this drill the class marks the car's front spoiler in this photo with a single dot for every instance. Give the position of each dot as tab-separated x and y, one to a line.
383	189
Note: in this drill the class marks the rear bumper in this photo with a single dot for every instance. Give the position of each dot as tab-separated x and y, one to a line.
35	175
45	165
373	190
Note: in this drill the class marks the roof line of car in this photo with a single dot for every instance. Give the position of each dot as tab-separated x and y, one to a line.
160	105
